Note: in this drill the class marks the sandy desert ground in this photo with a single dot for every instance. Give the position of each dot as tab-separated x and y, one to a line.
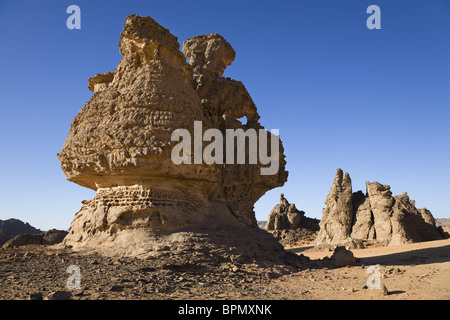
411	271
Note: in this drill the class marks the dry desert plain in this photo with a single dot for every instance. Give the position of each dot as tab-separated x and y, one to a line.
416	271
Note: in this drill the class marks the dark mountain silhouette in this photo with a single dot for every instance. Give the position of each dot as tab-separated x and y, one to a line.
13	227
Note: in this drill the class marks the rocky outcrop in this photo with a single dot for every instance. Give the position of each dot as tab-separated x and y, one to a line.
120	145
284	216
289	225
336	223
444	225
53	237
100	82
209	56
355	219
50	237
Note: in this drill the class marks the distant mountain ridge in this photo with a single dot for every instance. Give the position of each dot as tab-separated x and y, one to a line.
443	222
12	227
262	224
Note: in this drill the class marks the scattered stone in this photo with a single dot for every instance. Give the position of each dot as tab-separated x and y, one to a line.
60	295
35	296
116	288
395	271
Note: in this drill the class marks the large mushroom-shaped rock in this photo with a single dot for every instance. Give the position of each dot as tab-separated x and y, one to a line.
121	144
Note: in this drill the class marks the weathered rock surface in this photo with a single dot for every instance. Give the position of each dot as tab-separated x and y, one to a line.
120	145
336	223
289	225
354	219
342	257
209	56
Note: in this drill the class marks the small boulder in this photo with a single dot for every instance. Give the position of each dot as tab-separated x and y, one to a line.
342	257
35	296
60	295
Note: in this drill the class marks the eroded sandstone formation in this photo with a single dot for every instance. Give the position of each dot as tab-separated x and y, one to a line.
356	219
289	225
120	145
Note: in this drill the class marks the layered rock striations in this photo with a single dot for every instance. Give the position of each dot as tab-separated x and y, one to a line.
355	219
120	145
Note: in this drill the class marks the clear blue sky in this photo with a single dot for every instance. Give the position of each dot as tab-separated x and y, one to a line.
372	102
